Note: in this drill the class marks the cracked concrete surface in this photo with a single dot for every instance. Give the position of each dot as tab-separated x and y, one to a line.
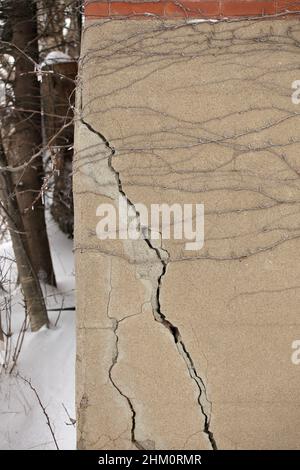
180	349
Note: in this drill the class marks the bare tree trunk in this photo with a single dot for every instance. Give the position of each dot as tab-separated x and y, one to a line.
59	30
58	102
29	282
23	137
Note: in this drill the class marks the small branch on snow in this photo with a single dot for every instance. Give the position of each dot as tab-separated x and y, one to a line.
28	382
72	420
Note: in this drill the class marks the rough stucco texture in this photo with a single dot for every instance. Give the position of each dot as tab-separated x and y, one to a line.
189	349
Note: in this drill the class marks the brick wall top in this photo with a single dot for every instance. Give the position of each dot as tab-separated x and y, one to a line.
190	8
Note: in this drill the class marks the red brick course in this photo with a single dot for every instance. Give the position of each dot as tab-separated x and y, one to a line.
189	8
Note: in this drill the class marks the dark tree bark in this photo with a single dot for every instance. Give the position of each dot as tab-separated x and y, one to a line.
58	102
23	136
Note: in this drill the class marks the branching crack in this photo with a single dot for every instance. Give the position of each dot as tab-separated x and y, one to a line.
115	326
204	404
116	386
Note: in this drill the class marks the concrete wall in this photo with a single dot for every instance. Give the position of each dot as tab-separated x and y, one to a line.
186	349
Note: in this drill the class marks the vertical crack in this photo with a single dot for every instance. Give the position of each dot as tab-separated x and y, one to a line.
115	322
115	326
203	401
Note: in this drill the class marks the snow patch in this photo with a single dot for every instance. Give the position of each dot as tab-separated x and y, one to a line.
47	360
56	57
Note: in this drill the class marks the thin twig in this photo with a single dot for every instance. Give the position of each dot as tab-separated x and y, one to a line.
59	314
42	407
72	420
15	169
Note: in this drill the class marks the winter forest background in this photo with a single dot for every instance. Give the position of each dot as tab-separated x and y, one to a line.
39	48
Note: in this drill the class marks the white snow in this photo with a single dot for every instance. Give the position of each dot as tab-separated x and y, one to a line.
47	360
204	20
56	57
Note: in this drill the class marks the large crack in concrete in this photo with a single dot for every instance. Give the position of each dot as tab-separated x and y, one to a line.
162	257
115	326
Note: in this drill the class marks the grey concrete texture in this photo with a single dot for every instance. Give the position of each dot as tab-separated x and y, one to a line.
189	349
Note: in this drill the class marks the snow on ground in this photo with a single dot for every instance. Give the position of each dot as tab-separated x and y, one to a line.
47	360
56	57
